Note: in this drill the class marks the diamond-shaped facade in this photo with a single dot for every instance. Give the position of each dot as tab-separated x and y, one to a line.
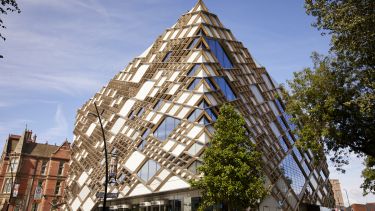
159	115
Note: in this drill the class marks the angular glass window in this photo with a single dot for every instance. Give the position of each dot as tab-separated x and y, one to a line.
194	84
297	153
287	117
141	111
219	52
225	88
203	104
121	178
204	120
278	103
142	145
282	123
192	71
306	168
257	93
148	170
166	127
145	134
283	144
157	105
193	43
208	81
194	115
211	114
166	58
293	173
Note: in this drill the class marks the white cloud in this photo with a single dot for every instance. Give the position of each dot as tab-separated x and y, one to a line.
59	130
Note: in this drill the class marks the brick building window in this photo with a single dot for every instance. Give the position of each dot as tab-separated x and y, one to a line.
7	185
57	188
61	168
44	167
13	165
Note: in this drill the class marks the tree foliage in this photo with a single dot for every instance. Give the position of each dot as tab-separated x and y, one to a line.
335	101
368	174
5	7
231	165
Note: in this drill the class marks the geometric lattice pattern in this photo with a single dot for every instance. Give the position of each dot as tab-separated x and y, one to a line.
159	115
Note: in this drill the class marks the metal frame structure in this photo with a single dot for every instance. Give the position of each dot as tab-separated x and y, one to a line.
160	112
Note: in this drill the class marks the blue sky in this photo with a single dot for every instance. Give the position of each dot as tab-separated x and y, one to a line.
59	53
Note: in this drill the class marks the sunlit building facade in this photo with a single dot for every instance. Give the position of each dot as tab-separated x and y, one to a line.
158	118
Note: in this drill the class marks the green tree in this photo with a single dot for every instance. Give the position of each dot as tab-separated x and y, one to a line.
5	7
335	100
231	165
368	174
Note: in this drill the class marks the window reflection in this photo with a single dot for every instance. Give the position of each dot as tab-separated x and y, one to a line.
148	170
219	52
293	173
225	88
166	127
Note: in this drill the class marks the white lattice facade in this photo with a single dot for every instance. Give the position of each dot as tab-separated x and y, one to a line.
159	115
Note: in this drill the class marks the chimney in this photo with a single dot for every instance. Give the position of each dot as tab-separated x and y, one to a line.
28	134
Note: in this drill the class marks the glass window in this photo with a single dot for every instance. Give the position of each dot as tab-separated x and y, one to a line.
194	84
141	111
287	117
293	173
323	175
61	168
204	120
148	170
203	104
166	58
166	127
194	115
208	81
291	141
225	88
278	104
145	134
211	114
283	144
193	43
57	188
282	124
142	145
44	167
13	165
306	168
297	153
257	93
7	185
219	52
192	71
157	105
121	178
194	166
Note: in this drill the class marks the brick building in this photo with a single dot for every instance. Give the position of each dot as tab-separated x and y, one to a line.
38	172
362	207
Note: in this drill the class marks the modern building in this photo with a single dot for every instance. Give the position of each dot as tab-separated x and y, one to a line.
158	116
32	175
336	189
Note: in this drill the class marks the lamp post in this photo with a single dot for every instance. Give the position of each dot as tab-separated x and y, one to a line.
105	154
